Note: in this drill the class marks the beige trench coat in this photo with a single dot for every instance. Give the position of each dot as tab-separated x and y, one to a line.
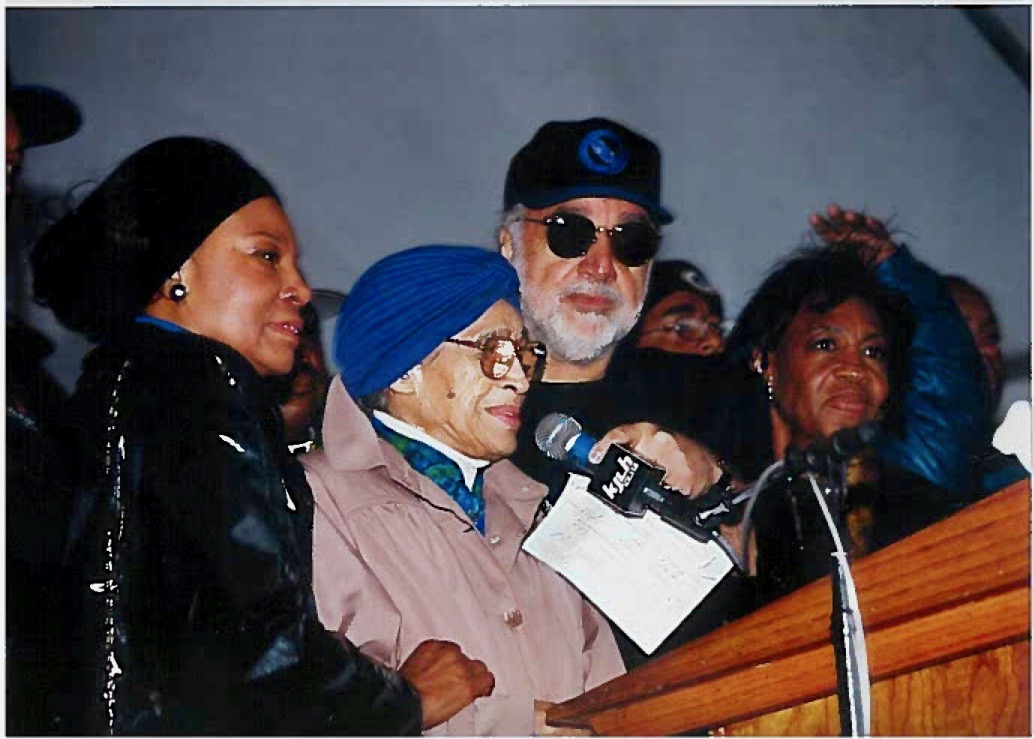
396	561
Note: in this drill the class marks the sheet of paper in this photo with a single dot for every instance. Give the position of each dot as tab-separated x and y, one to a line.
644	574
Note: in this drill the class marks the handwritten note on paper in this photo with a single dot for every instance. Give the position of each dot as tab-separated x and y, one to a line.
644	574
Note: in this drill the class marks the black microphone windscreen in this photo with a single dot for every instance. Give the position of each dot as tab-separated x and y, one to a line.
868	431
852	441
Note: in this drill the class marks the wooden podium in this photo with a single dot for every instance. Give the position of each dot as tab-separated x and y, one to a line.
946	614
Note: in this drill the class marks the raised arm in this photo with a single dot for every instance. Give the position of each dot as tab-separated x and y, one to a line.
944	398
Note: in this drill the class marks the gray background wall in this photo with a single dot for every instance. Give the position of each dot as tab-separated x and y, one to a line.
389	127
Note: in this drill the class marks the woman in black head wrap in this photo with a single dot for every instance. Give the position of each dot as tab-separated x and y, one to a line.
199	614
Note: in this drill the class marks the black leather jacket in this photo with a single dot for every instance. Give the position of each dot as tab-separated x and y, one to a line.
199	614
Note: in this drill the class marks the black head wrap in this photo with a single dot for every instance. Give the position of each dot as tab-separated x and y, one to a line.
98	267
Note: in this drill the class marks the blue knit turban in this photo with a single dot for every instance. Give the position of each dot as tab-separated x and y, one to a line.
408	303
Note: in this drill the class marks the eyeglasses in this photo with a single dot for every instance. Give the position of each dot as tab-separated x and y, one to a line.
689	328
570	235
499	352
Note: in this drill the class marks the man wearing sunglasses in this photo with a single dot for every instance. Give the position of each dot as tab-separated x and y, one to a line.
581	226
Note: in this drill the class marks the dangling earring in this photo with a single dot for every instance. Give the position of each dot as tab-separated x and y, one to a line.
178	291
758	367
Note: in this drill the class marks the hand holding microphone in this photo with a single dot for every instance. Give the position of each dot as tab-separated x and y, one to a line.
691	469
630	483
687	467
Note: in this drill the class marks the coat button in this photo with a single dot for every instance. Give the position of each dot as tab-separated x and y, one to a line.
494	539
513	619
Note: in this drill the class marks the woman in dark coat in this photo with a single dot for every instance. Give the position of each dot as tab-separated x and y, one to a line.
821	346
199	614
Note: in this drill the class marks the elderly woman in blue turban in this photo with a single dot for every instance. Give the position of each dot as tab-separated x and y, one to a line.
419	516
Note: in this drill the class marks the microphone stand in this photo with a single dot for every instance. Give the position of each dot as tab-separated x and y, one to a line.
828	458
845	619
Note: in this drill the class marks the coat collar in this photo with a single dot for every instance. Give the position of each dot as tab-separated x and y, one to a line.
351	445
349	440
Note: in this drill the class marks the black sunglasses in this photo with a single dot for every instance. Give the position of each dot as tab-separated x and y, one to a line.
499	352
570	235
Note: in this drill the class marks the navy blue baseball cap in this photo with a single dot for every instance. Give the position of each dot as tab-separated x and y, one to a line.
594	158
44	115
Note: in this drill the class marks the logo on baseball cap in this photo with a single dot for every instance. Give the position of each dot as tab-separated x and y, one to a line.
595	157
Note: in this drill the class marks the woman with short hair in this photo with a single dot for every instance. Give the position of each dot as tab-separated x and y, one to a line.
821	346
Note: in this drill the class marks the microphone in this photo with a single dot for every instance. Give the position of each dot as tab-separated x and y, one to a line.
560	437
632	485
622	479
839	447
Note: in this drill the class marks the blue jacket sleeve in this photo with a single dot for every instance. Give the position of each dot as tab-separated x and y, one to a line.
944	399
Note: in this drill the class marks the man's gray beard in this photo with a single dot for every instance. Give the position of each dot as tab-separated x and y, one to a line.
546	322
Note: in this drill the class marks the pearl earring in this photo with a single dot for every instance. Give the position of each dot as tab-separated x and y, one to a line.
178	292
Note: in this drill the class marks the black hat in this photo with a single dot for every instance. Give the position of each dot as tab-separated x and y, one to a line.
44	115
676	275
98	266
592	158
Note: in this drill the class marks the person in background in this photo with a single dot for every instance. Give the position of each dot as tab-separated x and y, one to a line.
677	345
682	313
581	225
302	393
1000	462
36	116
982	321
821	346
198	613
37	507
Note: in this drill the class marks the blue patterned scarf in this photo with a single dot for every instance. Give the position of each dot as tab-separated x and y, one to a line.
440	470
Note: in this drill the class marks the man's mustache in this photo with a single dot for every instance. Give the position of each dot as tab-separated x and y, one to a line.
595	290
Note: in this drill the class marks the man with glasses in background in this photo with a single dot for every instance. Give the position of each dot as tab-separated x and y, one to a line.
581	226
676	350
682	313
